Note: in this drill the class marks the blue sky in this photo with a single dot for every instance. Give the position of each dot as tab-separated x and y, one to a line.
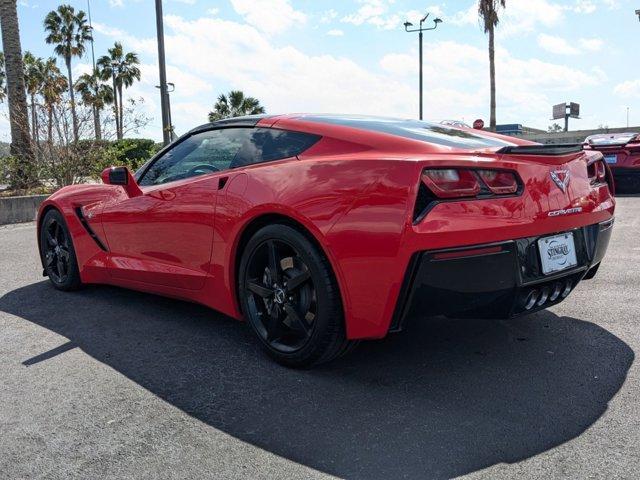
353	56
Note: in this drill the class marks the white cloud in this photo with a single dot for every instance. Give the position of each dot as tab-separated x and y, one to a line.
591	44
518	18
285	79
380	14
335	33
557	45
628	89
213	11
582	6
328	16
270	16
562	46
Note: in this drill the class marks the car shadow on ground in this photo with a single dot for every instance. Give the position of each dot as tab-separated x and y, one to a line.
445	398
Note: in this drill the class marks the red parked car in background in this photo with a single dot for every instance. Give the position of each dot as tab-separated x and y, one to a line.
323	230
622	153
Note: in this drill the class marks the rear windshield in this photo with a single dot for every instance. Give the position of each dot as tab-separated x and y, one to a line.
415	129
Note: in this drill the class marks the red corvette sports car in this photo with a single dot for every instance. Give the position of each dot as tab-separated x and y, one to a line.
622	153
322	230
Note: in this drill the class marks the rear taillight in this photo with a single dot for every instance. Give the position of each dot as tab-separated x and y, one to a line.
597	172
499	182
451	183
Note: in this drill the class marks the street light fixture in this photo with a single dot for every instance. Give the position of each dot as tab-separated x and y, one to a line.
638	13
407	28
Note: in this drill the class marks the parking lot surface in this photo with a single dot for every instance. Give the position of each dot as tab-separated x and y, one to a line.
109	383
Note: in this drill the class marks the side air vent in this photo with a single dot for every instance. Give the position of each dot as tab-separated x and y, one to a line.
89	230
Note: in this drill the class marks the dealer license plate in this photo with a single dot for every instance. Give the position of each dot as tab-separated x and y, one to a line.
611	158
557	253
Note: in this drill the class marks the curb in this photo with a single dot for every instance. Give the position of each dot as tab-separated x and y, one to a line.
20	209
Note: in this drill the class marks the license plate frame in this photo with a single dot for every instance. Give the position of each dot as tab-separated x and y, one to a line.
557	253
611	159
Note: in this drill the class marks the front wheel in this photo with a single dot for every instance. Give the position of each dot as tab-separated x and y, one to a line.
58	255
289	295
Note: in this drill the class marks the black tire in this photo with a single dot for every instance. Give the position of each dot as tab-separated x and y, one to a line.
57	252
297	313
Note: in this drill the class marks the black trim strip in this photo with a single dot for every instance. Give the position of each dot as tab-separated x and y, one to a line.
89	230
402	303
561	149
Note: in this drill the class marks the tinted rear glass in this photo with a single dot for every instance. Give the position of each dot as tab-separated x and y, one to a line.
415	129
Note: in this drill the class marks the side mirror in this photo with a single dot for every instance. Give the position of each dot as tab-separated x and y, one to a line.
121	176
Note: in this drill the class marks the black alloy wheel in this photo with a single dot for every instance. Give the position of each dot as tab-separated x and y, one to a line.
290	298
58	255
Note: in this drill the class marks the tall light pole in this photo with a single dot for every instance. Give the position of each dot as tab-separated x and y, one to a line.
407	28
164	95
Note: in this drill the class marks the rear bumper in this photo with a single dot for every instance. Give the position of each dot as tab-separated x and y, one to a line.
626	179
496	280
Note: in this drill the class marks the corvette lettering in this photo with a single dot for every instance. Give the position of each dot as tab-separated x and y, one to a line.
568	211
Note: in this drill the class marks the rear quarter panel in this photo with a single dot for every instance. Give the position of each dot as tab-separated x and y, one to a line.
357	211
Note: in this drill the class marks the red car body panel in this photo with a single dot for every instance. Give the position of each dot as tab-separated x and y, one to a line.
354	191
622	153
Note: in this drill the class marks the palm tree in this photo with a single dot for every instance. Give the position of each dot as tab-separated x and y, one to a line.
69	32
488	13
95	94
122	69
235	104
54	84
3	78
18	115
33	71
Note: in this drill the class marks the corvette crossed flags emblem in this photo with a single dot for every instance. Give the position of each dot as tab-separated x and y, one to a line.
561	179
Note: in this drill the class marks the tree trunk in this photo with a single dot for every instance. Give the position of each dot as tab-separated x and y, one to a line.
72	97
34	124
21	145
96	123
115	107
492	78
50	126
121	121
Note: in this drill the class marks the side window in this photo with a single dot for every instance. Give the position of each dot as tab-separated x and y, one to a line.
266	145
199	154
226	148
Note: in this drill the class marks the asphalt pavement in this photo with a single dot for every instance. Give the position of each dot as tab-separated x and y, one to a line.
109	383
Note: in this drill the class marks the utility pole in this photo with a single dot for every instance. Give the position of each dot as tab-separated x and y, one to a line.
627	117
164	95
436	21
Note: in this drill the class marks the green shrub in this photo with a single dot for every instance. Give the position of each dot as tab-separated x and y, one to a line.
128	152
18	174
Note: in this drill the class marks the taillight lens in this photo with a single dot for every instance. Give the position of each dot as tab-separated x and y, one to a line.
597	172
601	172
451	183
499	182
464	183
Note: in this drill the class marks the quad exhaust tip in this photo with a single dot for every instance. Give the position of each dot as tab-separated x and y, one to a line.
547	294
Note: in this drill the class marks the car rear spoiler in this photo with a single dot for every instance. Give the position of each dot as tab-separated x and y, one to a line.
560	149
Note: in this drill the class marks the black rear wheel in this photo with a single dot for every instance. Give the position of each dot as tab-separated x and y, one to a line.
289	296
58	255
